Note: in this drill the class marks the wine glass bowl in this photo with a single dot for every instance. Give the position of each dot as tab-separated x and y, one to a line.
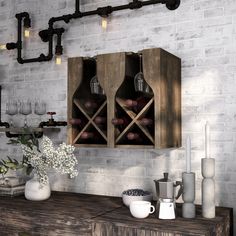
40	108
25	109
140	84
11	109
95	87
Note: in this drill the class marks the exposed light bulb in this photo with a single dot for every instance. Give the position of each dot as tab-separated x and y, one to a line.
58	59
104	22
3	46
27	25
26	33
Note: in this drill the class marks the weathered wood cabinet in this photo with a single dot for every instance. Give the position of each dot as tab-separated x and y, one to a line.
70	214
108	106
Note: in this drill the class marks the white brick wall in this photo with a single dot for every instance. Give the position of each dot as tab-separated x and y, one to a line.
202	33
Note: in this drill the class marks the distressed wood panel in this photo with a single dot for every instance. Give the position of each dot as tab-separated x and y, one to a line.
71	214
62	214
111	73
162	71
75	74
122	221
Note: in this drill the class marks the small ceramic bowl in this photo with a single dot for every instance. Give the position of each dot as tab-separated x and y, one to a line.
131	195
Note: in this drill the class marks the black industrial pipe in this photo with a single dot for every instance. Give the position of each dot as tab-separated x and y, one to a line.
47	35
77	6
24	16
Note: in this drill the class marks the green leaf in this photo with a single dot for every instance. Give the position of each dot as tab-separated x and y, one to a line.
9	159
15	162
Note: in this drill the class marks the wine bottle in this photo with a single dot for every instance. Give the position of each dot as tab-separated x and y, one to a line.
120	121
75	121
136	105
141	103
87	135
99	120
130	103
133	136
90	104
146	121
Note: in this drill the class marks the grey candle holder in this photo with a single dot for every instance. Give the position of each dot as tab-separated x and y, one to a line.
208	188
188	209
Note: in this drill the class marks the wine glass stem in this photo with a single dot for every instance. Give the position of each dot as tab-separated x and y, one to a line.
11	122
25	121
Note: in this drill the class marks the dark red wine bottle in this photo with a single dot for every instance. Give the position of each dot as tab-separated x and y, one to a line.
120	121
136	105
133	136
87	135
130	103
100	120
141	103
146	121
90	104
77	121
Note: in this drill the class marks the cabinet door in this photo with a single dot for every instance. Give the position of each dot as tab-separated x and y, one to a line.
87	104
134	107
162	71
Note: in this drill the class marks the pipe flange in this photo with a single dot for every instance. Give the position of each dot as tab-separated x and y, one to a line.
173	5
104	11
44	35
11	46
135	5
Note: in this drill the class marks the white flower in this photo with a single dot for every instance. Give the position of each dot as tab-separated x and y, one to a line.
60	159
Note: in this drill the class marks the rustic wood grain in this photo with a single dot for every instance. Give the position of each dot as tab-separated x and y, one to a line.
63	214
111	73
162	71
80	72
71	214
122	221
75	73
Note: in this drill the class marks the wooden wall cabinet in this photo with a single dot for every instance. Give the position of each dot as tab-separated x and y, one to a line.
121	116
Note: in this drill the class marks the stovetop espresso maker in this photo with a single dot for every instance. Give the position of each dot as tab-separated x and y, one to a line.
165	189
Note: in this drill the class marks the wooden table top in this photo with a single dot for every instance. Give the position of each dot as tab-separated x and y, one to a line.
197	226
70	208
62	203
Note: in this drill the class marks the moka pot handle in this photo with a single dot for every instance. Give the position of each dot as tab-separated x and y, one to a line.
179	183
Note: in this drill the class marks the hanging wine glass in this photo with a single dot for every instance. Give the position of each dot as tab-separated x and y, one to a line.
140	85
40	108
25	109
95	87
11	110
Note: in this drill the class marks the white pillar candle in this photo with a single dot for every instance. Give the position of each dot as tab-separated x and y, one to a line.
188	154
207	140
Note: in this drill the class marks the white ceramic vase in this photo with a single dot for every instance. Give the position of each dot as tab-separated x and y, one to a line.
36	191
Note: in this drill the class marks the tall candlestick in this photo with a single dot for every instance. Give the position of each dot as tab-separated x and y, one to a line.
188	154
207	140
